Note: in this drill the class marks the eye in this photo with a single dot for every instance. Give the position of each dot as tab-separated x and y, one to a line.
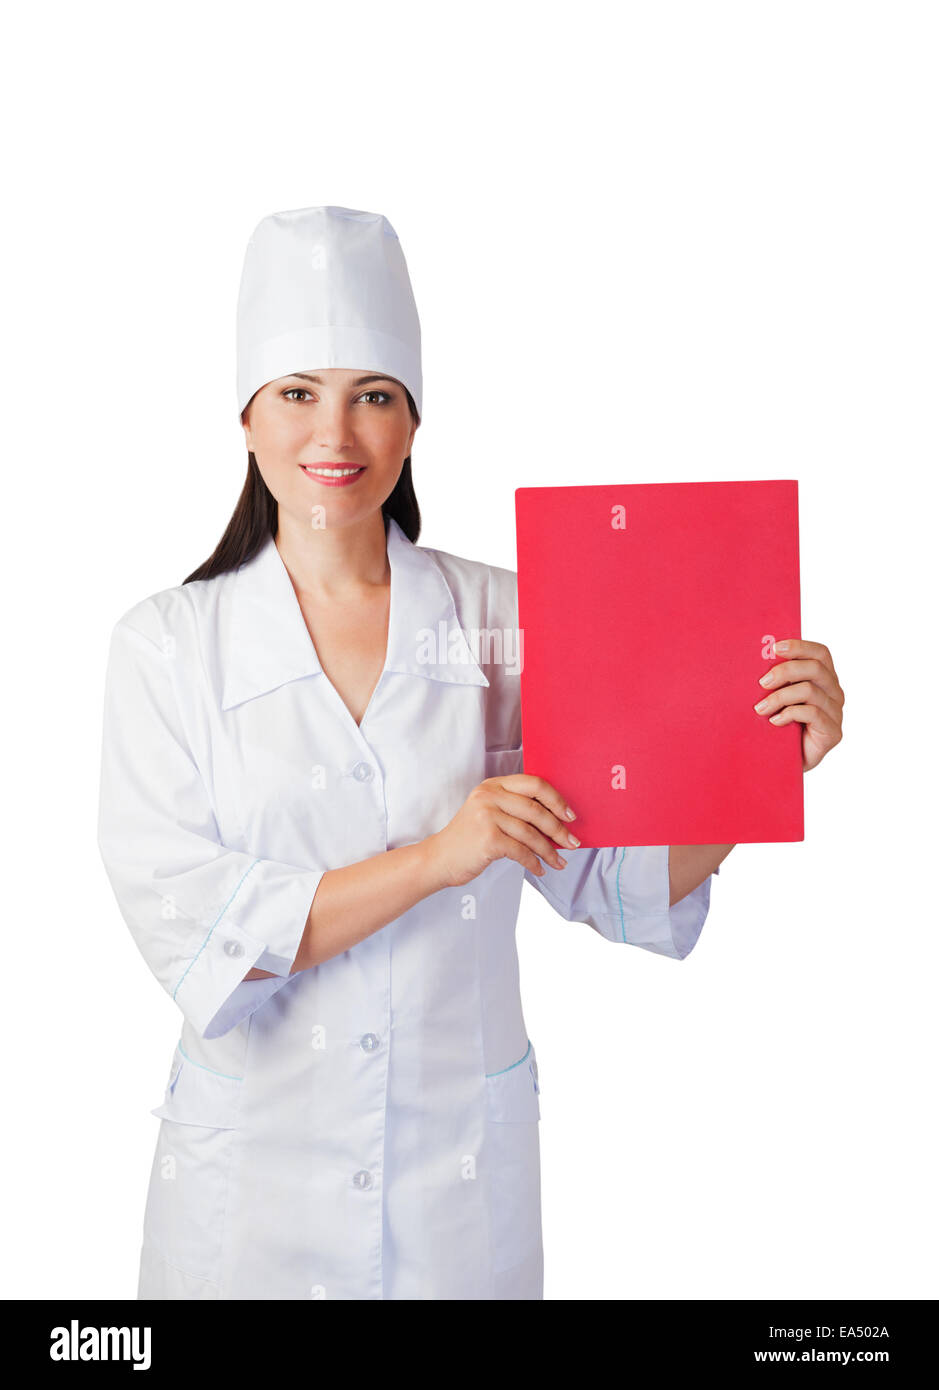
385	394
296	390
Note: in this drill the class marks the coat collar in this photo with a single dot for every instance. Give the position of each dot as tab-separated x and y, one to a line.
268	642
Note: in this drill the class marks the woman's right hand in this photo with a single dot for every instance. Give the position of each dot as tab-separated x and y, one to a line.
513	817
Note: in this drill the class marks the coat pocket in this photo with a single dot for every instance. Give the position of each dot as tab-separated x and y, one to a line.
514	1165
501	762
187	1201
195	1095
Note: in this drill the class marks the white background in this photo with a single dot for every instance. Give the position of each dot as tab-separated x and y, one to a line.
649	242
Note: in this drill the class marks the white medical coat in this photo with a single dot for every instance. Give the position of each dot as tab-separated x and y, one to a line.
367	1128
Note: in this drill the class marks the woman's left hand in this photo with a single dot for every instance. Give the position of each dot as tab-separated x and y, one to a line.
805	689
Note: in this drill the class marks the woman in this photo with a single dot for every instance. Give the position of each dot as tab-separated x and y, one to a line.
315	824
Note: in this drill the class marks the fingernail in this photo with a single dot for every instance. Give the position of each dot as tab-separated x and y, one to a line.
573	839
767	679
775	718
570	814
761	706
781	646
563	861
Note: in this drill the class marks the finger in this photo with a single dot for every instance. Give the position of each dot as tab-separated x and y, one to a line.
514	849
802	693
800	646
811	669
821	723
521	830
526	784
524	808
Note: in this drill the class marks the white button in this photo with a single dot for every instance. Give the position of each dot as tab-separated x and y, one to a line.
363	772
368	1042
234	948
362	1179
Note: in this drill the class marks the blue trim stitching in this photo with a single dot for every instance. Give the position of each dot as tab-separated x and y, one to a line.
227	1075
213	926
513	1065
622	922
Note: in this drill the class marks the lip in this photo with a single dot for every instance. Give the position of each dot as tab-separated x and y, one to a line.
333	482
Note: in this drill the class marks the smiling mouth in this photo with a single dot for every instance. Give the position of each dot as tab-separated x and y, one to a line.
332	473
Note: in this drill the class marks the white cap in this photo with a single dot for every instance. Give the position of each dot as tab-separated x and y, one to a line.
326	287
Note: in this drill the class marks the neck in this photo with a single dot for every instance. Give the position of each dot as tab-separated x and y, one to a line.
334	561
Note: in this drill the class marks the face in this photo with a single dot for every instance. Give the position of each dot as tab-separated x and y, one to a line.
330	438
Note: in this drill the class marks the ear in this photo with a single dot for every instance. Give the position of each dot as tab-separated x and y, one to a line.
247	429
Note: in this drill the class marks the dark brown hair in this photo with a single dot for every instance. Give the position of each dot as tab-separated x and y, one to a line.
255	516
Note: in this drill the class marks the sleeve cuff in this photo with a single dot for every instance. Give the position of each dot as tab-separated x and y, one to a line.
687	918
243	1000
674	931
212	991
623	894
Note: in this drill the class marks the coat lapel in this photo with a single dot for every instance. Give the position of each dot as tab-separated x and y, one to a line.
268	644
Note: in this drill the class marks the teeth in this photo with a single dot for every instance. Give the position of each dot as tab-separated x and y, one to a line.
331	472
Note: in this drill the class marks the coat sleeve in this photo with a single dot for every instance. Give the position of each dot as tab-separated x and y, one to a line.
201	914
623	894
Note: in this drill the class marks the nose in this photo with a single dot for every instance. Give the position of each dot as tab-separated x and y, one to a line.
332	426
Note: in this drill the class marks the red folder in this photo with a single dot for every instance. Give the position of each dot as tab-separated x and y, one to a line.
647	614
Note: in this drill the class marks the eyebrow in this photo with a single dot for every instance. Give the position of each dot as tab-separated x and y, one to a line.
359	381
